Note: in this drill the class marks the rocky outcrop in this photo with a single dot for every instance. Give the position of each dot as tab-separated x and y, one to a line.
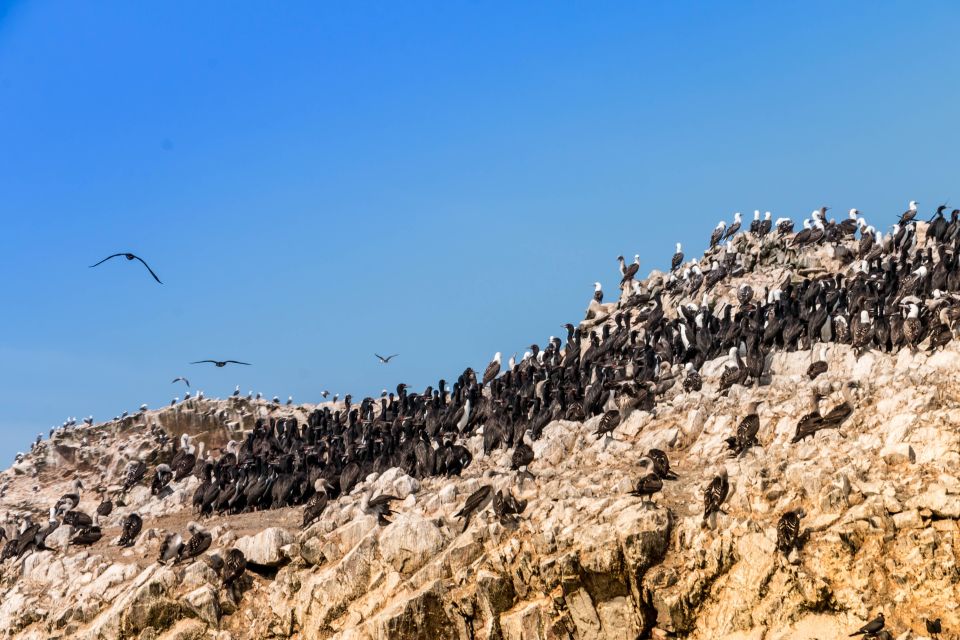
881	531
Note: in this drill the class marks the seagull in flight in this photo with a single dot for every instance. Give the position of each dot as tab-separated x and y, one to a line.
181	379
221	363
129	256
387	359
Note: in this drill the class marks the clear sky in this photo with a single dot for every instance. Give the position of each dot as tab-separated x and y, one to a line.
314	182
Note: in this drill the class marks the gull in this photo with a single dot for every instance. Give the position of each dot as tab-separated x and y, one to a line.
387	359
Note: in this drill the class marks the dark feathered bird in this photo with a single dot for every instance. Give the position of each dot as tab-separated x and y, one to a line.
715	495
508	508
477	500
788	530
130	527
134	474
180	379
609	422
647	486
105	508
197	544
234	564
522	456
934	628
871	627
816	369
380	507
661	464
129	256
87	535
492	370
221	363
387	359
314	508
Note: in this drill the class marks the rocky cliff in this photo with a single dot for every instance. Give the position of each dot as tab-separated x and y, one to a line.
881	496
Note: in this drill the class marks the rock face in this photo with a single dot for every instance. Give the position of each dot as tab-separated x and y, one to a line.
881	496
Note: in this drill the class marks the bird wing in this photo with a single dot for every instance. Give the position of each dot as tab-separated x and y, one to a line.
148	268
202	361
184	380
107	258
237	362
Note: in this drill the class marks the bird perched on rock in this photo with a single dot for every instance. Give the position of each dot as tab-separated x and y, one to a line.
693	381
934	628
379	506
715	495
234	564
507	508
131	526
161	478
597	293
677	259
629	270
88	534
522	456
609	422
170	548
661	464
492	370
747	430
647	486
788	530
871	628
314	508
477	501
198	543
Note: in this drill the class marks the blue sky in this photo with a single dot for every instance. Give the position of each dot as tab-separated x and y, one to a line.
314	182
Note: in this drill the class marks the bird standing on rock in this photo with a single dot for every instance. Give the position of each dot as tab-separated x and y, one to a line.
871	628
715	495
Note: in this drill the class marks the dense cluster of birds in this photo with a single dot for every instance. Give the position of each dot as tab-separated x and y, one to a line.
892	291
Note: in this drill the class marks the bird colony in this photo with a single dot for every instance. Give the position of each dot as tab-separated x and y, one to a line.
760	442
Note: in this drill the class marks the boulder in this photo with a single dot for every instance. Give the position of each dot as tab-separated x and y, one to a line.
266	547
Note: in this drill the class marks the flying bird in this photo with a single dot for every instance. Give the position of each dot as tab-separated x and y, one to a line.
221	363
129	256
181	379
387	359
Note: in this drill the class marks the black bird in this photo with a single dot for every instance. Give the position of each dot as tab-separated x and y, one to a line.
131	526
387	359
181	379
609	422
647	486
788	530
715	494
221	363
477	500
105	508
933	627
661	464
197	544
129	256
522	456
871	628
88	534
234	564
314	508
380	507
508	508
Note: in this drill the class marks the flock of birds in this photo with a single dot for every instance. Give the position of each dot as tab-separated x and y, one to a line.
892	291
